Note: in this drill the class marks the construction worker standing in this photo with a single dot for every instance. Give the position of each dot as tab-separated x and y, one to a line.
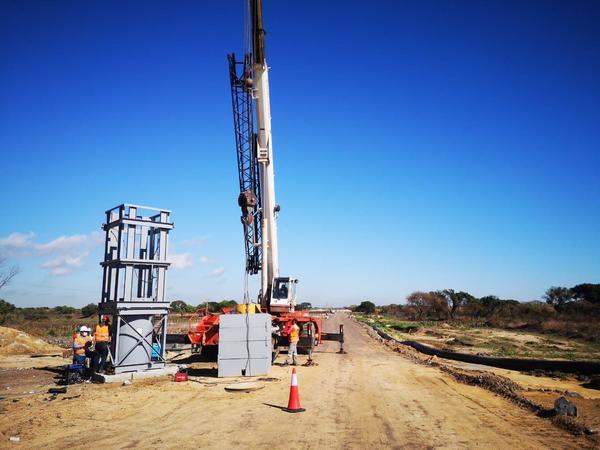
102	338
293	332
79	345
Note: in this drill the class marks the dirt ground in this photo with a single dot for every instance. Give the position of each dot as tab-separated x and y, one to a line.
370	397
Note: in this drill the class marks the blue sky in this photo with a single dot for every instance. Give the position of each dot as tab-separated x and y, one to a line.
418	145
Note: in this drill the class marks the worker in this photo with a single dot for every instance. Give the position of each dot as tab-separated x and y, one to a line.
90	354
102	338
293	332
283	291
79	345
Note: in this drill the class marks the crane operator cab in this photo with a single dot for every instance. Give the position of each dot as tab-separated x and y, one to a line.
283	294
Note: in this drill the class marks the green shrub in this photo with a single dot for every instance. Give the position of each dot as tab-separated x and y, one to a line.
89	310
65	310
366	307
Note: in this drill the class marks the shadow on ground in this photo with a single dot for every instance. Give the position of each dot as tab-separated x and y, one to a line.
202	372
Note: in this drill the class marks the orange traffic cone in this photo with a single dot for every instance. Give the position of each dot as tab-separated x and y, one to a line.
294	401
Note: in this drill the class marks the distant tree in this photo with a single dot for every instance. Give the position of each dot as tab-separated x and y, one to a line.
558	297
419	303
178	307
582	310
89	310
304	306
213	306
438	305
227	304
36	313
536	311
7	273
490	304
587	292
6	308
366	307
455	300
201	307
509	308
393	309
64	310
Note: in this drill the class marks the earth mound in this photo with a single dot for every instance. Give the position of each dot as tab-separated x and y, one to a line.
15	342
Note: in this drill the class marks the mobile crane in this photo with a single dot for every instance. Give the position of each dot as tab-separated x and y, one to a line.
249	79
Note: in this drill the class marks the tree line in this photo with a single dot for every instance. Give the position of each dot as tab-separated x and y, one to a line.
8	311
563	298
181	307
580	300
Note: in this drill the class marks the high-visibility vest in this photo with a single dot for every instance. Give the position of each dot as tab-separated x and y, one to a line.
101	334
79	344
294	333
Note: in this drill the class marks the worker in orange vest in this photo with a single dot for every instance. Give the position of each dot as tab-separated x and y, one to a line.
102	339
293	332
79	345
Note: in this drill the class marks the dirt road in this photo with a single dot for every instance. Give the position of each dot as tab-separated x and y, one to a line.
371	397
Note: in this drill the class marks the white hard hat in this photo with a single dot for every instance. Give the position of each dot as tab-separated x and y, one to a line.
84	328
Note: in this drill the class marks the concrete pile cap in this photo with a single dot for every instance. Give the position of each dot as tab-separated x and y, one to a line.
243	387
131	376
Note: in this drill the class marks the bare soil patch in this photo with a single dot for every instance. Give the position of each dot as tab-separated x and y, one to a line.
16	342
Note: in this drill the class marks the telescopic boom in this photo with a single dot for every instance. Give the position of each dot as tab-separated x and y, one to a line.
254	141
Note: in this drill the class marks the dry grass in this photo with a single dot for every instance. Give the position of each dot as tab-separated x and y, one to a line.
488	341
585	329
56	329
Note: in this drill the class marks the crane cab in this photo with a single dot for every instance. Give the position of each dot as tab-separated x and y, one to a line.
283	294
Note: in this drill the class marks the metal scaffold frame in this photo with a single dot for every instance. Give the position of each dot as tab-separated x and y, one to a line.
134	284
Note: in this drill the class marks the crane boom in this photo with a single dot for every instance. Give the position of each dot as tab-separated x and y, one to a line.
265	151
254	141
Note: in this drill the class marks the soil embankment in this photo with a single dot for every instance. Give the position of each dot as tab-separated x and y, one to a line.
16	342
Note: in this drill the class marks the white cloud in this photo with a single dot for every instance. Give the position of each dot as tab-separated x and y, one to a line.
63	261
204	259
17	241
66	252
217	273
63	264
181	261
63	244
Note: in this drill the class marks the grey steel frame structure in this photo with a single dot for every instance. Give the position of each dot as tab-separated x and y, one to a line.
134	284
